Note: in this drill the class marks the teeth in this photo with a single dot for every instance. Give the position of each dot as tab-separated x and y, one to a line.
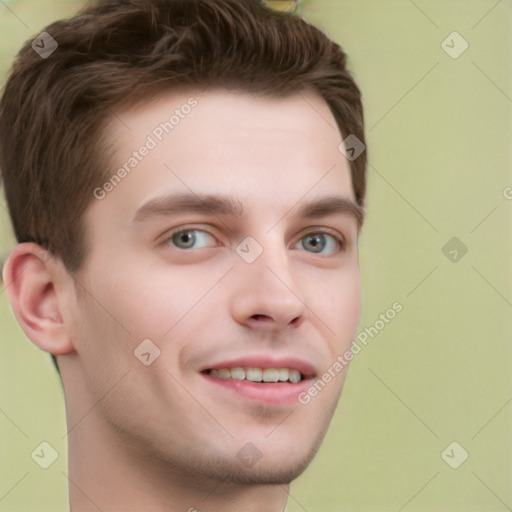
254	374
224	373
238	373
270	375
258	374
283	374
294	376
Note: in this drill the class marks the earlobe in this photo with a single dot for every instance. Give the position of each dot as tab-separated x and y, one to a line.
31	278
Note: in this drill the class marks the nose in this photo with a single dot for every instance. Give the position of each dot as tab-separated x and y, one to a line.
266	296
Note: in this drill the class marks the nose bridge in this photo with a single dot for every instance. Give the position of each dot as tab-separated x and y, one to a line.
267	287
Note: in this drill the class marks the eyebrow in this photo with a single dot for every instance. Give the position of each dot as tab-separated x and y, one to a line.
227	206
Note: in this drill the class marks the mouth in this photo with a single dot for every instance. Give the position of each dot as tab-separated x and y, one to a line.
273	382
258	375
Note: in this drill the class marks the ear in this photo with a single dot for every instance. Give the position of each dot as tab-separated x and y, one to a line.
36	283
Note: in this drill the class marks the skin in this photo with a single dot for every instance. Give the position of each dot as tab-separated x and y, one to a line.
162	437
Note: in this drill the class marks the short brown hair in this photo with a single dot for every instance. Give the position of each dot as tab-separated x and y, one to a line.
119	52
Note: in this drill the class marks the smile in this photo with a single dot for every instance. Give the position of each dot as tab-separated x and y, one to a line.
269	380
251	374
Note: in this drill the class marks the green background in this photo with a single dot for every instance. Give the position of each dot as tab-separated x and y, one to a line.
439	136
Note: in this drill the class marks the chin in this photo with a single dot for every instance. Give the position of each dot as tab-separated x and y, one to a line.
262	472
272	467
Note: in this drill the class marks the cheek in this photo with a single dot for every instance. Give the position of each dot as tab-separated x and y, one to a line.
145	304
342	304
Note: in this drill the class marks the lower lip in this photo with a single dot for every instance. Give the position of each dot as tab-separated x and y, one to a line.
278	393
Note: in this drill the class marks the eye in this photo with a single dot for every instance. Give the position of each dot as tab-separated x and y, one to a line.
315	241
188	238
319	240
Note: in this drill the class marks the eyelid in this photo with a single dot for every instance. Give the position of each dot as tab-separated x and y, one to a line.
323	229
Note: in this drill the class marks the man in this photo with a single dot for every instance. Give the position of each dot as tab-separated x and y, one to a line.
186	182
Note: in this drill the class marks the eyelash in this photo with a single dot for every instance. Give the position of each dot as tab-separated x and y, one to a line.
340	241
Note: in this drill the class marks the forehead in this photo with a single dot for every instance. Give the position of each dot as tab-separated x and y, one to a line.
266	152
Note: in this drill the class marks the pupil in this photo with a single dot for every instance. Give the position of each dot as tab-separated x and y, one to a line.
316	242
185	237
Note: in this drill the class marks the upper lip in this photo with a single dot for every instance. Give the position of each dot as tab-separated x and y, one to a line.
261	361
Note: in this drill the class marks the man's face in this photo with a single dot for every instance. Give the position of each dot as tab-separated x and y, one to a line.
286	298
